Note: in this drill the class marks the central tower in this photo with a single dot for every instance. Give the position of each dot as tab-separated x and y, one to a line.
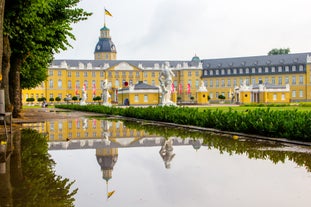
105	48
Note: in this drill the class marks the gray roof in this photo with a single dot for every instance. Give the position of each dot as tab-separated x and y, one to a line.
141	86
253	61
105	45
136	63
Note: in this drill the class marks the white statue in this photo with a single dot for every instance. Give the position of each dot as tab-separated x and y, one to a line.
83	99
166	80
202	87
105	93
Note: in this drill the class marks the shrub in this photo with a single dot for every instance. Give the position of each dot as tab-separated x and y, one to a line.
222	97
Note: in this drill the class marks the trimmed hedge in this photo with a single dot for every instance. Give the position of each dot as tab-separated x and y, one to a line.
290	124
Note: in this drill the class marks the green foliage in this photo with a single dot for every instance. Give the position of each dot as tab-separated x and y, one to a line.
279	51
74	98
41	99
290	124
30	99
40	186
37	29
97	98
57	99
52	99
222	97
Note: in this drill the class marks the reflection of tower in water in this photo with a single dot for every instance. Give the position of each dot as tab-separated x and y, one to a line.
107	158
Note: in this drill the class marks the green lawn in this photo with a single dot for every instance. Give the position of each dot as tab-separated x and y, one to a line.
246	108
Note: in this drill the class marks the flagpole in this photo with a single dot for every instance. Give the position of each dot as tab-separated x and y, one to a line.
104	16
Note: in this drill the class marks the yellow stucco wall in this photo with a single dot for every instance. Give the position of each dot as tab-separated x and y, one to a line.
202	97
136	98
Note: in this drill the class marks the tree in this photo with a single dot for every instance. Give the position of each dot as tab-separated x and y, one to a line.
36	29
58	99
221	97
74	98
97	98
280	51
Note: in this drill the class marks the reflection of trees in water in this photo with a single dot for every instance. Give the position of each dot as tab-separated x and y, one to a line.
32	176
252	148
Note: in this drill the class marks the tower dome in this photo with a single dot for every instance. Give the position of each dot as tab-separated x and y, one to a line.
105	48
195	59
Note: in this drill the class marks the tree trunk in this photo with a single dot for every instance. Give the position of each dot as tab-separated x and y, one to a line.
2	3
15	85
5	73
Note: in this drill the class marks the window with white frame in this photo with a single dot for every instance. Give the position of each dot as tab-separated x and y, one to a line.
301	80
241	70
145	98
136	99
294	68
59	84
51	85
294	94
283	97
300	93
294	80
274	97
260	70
286	68
280	80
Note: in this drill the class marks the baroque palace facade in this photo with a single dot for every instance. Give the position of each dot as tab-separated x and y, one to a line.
285	77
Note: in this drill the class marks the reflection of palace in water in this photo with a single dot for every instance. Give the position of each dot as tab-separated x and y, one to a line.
87	133
107	137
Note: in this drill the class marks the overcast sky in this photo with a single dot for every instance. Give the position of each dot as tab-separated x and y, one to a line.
179	29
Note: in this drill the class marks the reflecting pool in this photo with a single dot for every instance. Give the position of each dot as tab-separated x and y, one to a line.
100	162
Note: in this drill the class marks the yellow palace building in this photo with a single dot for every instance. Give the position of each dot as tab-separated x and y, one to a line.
286	78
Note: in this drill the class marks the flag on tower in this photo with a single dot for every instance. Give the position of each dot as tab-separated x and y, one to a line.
108	13
173	88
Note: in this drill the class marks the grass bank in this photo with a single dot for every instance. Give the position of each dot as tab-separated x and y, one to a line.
290	124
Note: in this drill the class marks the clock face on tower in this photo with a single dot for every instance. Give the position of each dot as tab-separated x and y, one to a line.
98	47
